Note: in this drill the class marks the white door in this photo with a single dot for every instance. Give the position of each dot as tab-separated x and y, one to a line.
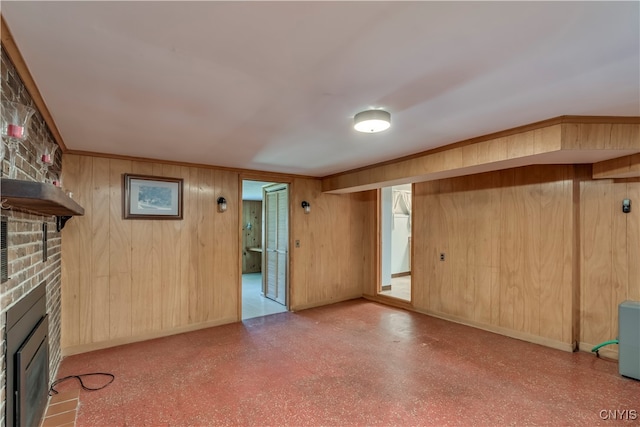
276	250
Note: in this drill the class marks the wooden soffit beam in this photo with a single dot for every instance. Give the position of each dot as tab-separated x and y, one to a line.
562	140
622	167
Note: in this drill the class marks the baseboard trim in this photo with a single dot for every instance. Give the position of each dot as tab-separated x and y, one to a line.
391	301
609	352
325	302
85	348
404	273
547	342
523	336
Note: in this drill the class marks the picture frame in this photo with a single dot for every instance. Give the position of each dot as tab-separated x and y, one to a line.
151	197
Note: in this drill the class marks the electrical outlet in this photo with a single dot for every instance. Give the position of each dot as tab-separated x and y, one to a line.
297	243
442	256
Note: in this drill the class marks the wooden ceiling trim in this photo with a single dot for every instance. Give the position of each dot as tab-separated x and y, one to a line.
622	167
530	144
246	173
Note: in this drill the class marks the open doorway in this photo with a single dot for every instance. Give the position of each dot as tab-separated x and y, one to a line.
395	241
257	226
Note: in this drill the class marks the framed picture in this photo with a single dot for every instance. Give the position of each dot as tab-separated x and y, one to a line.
151	197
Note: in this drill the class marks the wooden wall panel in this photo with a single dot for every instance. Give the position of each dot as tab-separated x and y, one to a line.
206	235
435	231
549	252
70	274
458	230
119	255
184	243
510	250
156	251
364	236
251	238
195	293
99	237
143	288
84	193
226	247
532	241
633	243
436	243
503	234
482	231
302	231
609	258
597	210
619	259
555	203
129	280
134	279
326	267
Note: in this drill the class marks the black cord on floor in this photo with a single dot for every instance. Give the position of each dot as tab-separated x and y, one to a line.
53	391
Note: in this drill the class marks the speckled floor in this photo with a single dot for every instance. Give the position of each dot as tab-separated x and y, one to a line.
353	363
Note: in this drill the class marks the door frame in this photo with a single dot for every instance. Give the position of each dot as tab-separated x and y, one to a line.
276	186
276	179
378	275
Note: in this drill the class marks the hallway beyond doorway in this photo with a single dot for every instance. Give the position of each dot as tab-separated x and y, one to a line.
254	304
400	288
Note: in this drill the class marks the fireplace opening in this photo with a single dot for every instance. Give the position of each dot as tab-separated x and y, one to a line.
27	359
32	371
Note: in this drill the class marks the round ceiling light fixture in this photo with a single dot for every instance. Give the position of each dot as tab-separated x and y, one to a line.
372	121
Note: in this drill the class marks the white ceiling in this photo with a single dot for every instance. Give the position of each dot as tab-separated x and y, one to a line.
274	85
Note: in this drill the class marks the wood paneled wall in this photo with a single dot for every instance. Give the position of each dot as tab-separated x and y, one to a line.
337	245
610	257
542	253
129	280
141	278
251	236
508	239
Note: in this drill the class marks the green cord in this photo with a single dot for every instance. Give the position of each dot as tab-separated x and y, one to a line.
596	348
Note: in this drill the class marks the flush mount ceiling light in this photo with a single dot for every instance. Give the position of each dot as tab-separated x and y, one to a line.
372	121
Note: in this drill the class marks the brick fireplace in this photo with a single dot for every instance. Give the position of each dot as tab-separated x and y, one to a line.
29	264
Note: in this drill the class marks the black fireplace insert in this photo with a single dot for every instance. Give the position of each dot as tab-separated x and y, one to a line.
27	359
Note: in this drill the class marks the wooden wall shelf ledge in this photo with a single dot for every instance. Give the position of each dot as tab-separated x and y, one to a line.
39	197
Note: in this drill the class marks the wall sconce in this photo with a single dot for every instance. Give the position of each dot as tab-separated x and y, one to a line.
626	205
306	206
222	204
